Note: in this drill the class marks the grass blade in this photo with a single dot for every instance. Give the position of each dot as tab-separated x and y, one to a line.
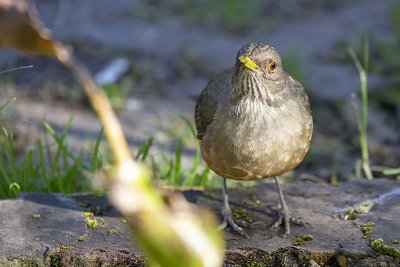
178	164
95	153
190	126
6	104
42	165
60	143
362	119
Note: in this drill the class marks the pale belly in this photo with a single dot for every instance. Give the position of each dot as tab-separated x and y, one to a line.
257	145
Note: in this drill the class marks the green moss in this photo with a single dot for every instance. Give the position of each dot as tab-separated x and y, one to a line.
302	239
88	214
247	202
82	238
253	201
112	231
254	259
395	241
308	237
353	212
55	259
67	247
37	216
350	214
242	214
298	242
92	223
368	228
379	246
254	264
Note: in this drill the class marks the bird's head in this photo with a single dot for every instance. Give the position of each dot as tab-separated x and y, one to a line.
261	59
259	64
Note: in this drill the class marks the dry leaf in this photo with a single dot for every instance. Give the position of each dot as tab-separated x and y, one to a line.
22	30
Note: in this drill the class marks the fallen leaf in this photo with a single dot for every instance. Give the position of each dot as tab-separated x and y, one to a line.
22	30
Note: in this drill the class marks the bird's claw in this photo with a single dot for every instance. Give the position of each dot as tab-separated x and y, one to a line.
228	220
286	219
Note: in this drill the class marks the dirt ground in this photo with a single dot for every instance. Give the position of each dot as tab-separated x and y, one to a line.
174	48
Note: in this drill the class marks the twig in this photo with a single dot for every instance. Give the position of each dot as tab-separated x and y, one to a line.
107	116
17	68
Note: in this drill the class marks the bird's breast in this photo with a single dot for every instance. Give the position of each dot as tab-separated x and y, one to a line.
252	140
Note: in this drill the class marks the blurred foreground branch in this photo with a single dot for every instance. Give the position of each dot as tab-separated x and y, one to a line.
172	234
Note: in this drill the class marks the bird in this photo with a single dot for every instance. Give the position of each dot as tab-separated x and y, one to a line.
254	121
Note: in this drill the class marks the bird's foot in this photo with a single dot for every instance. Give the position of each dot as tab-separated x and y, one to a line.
285	219
229	220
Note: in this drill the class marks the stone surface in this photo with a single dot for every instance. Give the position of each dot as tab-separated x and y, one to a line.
61	236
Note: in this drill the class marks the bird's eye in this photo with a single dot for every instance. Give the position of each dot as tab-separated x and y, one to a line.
272	66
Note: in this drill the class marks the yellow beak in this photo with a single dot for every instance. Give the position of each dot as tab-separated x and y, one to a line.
248	63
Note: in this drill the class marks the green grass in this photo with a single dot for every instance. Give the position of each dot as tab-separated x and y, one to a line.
52	167
48	167
362	116
172	172
380	57
170	168
6	104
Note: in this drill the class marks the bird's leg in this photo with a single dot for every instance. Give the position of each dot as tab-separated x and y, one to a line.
227	214
284	215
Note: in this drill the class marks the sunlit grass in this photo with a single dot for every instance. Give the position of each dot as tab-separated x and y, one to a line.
49	167
52	167
176	169
362	116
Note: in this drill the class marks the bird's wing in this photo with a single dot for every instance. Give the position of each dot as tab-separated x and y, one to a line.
207	102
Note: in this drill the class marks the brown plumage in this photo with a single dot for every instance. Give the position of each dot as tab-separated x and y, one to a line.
253	120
